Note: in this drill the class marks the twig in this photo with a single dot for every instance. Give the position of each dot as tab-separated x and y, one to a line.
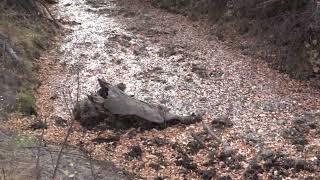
67	104
4	52
54	151
91	167
4	174
78	87
195	137
88	156
210	132
39	151
48	11
69	129
64	142
8	49
70	98
52	163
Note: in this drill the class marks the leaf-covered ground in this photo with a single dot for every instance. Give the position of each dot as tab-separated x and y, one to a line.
267	122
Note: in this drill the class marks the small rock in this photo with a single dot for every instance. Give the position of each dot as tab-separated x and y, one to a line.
260	131
186	162
299	121
281	122
207	174
109	139
188	79
167	88
194	147
302	165
59	121
203	99
275	173
121	86
53	97
251	138
159	141
159	178
216	74
135	152
38	125
226	153
155	166
224	178
222	122
252	172
266	154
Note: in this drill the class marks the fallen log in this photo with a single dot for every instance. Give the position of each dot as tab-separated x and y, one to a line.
110	103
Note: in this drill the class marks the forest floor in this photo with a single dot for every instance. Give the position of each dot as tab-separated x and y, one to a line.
18	160
269	124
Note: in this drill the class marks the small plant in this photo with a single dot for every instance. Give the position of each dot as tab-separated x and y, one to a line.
26	100
25	141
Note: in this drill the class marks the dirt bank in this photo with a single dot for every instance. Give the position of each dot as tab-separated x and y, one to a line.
26	36
284	33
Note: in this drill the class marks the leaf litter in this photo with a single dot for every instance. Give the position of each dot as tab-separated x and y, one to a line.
253	109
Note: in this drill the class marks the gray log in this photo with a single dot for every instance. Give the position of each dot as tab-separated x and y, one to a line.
110	101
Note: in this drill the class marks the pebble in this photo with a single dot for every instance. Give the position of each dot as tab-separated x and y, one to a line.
260	131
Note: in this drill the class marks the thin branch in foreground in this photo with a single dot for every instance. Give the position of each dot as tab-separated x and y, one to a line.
4	52
72	103
39	151
4	174
88	156
195	137
55	151
51	157
65	139
91	167
70	130
211	133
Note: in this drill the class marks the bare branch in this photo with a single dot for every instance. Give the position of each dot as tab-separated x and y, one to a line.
8	49
211	133
70	127
4	174
39	151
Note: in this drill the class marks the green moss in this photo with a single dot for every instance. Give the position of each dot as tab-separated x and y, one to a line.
26	141
26	100
4	24
28	37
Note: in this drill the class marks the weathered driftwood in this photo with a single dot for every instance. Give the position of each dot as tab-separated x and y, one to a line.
110	103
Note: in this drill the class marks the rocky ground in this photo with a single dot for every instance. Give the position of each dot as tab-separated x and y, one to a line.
268	124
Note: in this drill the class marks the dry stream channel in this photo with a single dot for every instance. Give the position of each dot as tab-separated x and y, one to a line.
166	59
